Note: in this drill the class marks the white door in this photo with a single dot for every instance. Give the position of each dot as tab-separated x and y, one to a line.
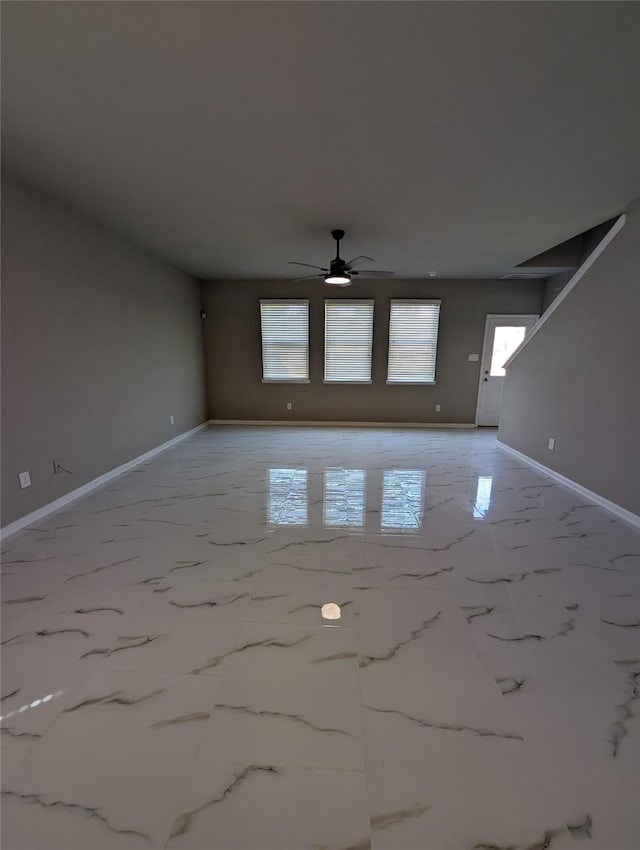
502	335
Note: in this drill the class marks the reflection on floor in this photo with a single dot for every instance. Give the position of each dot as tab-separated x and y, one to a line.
275	639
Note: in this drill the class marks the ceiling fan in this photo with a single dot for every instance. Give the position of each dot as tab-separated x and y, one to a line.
340	271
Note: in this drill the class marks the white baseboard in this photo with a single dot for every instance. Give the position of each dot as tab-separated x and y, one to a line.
302	423
49	508
618	510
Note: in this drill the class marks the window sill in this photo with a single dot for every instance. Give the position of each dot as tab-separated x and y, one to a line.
411	383
349	383
292	381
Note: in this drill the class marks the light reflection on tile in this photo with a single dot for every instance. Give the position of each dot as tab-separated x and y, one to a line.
483	496
344	498
287	497
480	681
402	498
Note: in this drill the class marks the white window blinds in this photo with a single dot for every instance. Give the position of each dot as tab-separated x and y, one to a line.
285	340
348	335
413	340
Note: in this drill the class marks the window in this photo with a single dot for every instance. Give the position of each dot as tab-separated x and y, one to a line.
348	335
285	340
413	339
505	341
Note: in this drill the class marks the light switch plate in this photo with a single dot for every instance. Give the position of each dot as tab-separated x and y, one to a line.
473	358
25	479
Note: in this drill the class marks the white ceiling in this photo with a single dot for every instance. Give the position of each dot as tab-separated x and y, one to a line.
231	137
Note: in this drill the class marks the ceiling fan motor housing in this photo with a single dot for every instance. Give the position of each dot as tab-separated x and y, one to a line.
340	272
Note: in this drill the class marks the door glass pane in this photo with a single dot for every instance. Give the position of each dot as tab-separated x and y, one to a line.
505	341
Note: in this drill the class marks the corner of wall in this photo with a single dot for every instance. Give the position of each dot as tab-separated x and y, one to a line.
575	380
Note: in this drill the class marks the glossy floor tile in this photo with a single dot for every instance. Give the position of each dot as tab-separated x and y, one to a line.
333	639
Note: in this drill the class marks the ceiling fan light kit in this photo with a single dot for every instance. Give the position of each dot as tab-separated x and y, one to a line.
337	279
340	272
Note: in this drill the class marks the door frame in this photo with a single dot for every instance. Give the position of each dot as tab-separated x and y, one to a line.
487	321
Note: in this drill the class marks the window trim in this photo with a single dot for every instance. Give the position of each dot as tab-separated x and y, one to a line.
372	303
282	302
281	381
431	302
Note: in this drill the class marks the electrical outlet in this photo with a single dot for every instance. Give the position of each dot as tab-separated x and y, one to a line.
552	444
289	406
172	420
437	408
25	479
473	358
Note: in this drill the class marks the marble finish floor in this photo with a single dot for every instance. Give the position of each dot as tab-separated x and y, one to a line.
358	639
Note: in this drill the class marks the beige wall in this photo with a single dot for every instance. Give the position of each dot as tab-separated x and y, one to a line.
578	379
553	287
234	364
101	344
588	241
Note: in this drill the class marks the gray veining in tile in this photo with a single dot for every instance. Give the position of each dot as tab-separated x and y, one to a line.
357	639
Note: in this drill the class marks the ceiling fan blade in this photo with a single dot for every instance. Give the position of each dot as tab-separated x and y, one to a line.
373	273
308	277
360	258
308	265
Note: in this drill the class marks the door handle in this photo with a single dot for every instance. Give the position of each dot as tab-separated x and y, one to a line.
485	379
